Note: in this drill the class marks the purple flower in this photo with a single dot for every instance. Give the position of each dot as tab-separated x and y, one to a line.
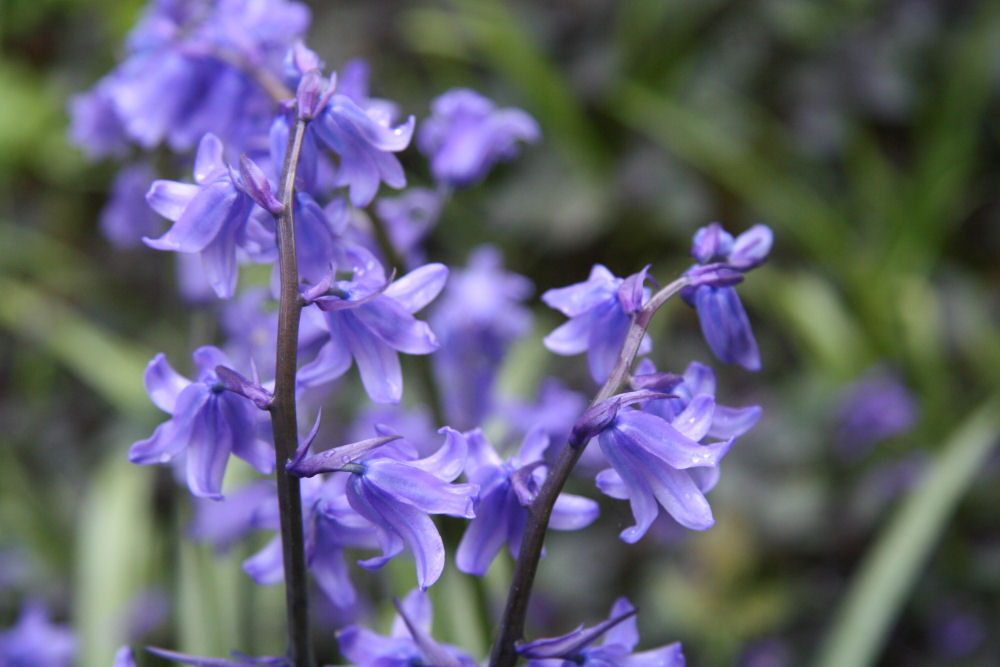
365	142
555	410
466	135
35	642
507	490
655	461
207	424
126	217
370	320
620	637
478	317
209	218
396	492
874	408
408	219
598	321
124	657
724	321
408	644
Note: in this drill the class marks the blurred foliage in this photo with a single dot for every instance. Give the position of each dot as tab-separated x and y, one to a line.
864	133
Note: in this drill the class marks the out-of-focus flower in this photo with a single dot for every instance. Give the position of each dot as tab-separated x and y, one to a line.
598	321
620	638
477	318
207	423
507	489
124	657
874	408
408	219
408	644
35	641
724	321
126	217
466	135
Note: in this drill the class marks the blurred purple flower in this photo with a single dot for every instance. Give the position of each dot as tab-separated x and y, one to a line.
34	641
620	638
598	321
466	135
507	490
408	219
724	321
408	644
124	657
555	410
126	217
874	408
477	318
207	424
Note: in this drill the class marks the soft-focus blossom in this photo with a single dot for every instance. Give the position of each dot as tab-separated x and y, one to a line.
466	135
555	410
370	320
408	219
598	321
507	489
34	641
479	315
408	644
396	491
126	217
124	657
724	321
207	424
661	462
874	408
578	648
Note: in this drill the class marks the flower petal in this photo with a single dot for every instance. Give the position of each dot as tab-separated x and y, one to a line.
397	327
170	198
486	533
730	422
209	450
377	363
163	383
642	431
572	512
421	489
418	287
726	326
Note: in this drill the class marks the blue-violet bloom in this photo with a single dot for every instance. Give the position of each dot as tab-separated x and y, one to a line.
36	641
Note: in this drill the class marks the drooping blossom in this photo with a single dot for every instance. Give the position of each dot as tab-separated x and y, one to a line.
579	647
207	423
723	319
478	316
409	643
34	640
507	489
370	320
662	462
598	321
397	492
466	135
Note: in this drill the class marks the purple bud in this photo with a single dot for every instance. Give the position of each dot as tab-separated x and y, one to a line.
630	292
664	382
314	93
302	59
599	417
714	275
522	481
256	186
710	242
336	459
750	248
238	384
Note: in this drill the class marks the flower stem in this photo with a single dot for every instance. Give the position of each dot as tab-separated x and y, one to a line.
512	624
283	417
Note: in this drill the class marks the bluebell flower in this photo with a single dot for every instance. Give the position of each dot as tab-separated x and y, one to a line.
506	491
370	320
126	217
723	319
466	135
408	219
876	407
409	642
477	318
124	657
35	641
207	424
555	409
397	492
662	462
210	216
579	648
598	321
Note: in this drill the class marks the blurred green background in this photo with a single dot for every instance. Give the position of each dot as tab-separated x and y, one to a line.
866	134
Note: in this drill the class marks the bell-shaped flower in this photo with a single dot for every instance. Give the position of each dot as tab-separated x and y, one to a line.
507	489
397	492
370	320
365	142
207	424
655	462
598	321
210	215
408	644
466	135
477	318
580	648
35	640
723	319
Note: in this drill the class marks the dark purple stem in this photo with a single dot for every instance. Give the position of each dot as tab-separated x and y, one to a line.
283	417
512	624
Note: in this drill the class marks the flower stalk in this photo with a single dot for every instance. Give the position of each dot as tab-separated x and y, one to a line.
283	413
504	653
